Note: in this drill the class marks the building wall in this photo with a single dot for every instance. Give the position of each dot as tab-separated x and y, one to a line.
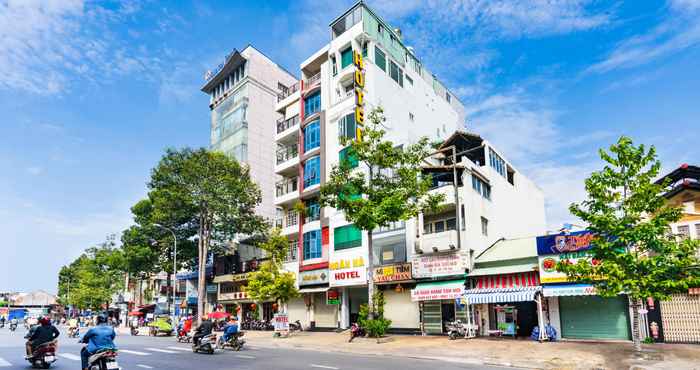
403	313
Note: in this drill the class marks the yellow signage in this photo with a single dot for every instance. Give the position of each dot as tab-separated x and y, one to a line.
359	93
346	263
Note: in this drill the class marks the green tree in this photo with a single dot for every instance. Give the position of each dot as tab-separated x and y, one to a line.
630	218
389	185
270	282
217	189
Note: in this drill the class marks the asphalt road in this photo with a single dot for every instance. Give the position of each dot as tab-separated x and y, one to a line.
143	352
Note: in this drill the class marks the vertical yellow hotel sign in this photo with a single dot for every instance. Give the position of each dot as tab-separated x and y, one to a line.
359	93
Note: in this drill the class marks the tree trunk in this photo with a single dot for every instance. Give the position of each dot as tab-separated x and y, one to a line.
201	278
636	333
370	277
168	297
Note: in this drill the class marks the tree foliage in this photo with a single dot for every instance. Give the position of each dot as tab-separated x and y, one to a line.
270	282
92	279
630	219
214	188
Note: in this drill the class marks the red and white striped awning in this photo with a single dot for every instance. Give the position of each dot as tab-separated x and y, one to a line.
518	280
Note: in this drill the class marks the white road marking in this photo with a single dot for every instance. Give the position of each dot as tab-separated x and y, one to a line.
245	356
324	367
160	350
145	366
70	356
181	348
134	352
4	363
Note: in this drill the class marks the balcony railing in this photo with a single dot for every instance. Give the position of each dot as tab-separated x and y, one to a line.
312	80
284	124
286	153
293	251
398	225
286	186
284	93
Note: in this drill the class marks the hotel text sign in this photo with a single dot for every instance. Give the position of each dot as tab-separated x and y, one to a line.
359	93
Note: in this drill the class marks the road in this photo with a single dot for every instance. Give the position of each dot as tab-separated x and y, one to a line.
143	352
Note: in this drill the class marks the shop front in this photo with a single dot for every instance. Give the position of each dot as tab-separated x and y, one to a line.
396	282
575	310
348	278
313	285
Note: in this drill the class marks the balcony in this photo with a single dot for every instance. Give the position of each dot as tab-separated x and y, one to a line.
448	191
285	126
291	223
287	160
286	191
439	242
312	83
288	91
293	251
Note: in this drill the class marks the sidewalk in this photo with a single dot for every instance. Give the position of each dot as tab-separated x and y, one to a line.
500	352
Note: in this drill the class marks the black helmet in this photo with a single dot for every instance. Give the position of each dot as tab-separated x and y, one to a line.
101	318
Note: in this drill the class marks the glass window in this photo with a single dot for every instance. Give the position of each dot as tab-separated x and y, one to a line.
334	66
448	97
312	104
497	163
409	80
313	211
484	226
481	187
348	156
364	50
347	127
347	236
697	231
312	136
427	228
312	245
345	57
393	71
451	224
684	231
380	58
439	226
312	171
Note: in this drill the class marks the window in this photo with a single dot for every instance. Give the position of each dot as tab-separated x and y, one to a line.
313	211
312	245
364	49
697	231
292	218
427	228
334	66
345	57
396	73
393	40
347	22
312	104
684	231
292	251
347	237
380	29
481	187
380	58
484	226
312	136
411	117
409	80
312	171
451	224
497	163
348	156
439	226
462	217
347	127
448	97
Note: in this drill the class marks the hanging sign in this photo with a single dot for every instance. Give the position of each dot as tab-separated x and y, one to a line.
399	272
436	265
564	243
350	270
313	277
359	93
332	297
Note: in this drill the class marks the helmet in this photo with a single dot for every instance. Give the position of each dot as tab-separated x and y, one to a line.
44	321
101	318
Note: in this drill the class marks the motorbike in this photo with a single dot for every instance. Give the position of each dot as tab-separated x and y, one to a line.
184	336
160	326
134	331
13	327
206	344
235	342
296	326
43	355
104	360
73	332
456	330
2	324
356	331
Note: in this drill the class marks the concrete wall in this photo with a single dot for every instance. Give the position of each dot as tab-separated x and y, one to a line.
403	313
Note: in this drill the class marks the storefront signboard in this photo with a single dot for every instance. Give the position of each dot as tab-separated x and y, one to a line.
332	297
212	288
548	265
313	277
438	291
564	243
348	269
437	265
398	272
281	322
568	290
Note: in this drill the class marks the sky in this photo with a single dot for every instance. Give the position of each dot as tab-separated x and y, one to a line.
92	92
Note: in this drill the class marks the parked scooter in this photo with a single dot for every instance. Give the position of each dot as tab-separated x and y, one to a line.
296	326
206	344
43	355
236	342
356	331
456	330
104	360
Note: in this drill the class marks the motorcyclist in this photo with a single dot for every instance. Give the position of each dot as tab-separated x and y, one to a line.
72	325
97	338
230	329
204	329
14	322
2	321
43	333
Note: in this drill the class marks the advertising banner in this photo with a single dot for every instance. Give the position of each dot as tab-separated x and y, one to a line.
398	272
437	265
313	277
438	291
281	322
568	290
348	269
332	297
564	243
548	265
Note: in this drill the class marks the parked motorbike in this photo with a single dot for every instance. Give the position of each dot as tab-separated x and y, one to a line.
356	331
104	360
235	342
43	355
206	344
184	336
296	326
73	332
456	330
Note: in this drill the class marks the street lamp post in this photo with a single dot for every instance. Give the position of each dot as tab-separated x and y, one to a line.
174	263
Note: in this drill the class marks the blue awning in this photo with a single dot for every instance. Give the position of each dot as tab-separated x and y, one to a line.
501	295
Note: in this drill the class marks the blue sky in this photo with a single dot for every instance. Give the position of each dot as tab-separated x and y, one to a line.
92	92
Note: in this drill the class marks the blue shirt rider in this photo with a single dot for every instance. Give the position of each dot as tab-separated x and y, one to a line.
230	329
97	338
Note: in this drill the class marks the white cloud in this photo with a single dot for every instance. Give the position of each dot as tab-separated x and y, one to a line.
679	32
34	170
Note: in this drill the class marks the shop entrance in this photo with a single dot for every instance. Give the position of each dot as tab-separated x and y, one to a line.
448	314
527	318
356	297
516	319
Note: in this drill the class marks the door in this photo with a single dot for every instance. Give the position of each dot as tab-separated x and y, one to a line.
593	317
432	317
448	314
